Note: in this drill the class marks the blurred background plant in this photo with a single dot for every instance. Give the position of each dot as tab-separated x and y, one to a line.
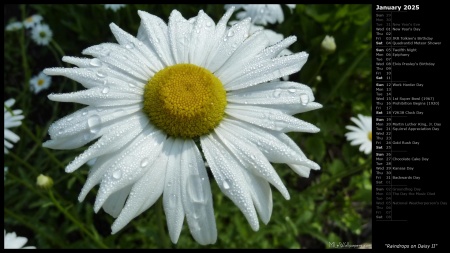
332	205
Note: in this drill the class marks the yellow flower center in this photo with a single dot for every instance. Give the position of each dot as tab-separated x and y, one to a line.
40	82
369	135
185	100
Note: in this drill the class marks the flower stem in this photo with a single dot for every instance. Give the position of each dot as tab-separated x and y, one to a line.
94	237
163	243
346	74
26	69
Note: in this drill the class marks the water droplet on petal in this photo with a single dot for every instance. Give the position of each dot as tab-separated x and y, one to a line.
94	123
304	99
292	90
140	43
117	174
131	85
227	184
230	33
95	62
105	90
196	189
129	45
101	74
253	156
277	93
69	118
169	184
144	162
84	112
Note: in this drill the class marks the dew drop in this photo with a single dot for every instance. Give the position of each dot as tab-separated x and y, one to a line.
208	24
304	99
277	93
129	45
253	157
140	43
292	90
105	90
117	174
95	62
101	74
69	118
196	189
84	112
131	85
94	123
169	184
144	162
227	184
230	33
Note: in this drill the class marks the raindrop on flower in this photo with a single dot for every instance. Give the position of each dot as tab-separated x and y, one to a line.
94	123
227	184
117	174
129	45
230	33
304	99
95	62
101	74
196	189
144	162
105	90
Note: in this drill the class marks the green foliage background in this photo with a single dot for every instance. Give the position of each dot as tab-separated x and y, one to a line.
332	205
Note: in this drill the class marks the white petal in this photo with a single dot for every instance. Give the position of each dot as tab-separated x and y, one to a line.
261	195
197	197
243	56
216	40
288	97
86	125
99	96
9	135
251	158
273	148
157	36
78	121
140	53
10	102
172	196
270	118
179	30
111	141
274	50
97	172
268	70
227	172
130	165
286	139
227	45
92	78
145	192
200	40
114	204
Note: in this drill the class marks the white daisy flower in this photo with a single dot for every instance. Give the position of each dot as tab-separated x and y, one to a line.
361	135
32	21
260	14
157	99
12	241
41	34
13	118
14	26
114	7
40	82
